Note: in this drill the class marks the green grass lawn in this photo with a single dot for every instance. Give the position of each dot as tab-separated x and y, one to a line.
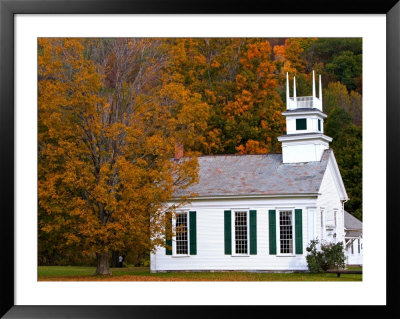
72	273
354	267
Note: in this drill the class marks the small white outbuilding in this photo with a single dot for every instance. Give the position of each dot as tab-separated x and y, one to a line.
259	212
353	240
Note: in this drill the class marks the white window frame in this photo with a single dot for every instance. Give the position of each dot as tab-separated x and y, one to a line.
174	254
278	232
233	248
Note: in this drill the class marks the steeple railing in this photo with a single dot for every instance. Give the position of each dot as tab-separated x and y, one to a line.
304	102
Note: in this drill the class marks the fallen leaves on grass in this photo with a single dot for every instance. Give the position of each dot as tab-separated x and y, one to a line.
120	278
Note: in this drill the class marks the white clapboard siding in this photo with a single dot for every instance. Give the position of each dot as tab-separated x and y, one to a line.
329	201
210	238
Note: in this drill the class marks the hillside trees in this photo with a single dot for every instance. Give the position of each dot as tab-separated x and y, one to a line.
236	77
107	127
112	110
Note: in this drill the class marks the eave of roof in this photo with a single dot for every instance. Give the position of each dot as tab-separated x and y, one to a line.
251	196
303	111
304	136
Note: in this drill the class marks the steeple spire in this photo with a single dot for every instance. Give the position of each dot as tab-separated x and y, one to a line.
287	90
294	88
313	84
320	90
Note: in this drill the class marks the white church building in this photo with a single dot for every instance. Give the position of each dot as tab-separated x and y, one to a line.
259	212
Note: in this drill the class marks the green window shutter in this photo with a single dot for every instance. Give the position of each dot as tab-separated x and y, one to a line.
272	232
228	232
253	232
301	124
168	235
193	233
319	125
299	231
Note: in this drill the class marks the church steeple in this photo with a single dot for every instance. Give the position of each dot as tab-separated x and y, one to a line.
304	140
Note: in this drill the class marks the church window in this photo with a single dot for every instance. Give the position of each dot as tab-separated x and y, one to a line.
182	234
286	232
301	124
241	233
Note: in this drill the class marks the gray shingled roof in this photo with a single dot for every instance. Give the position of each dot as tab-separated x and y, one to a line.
353	233
230	175
350	222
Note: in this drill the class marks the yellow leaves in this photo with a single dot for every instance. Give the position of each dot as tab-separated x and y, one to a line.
279	51
215	64
242	104
256	53
200	59
113	130
291	52
210	96
241	82
252	147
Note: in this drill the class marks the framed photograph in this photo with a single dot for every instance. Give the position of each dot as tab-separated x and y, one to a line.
252	144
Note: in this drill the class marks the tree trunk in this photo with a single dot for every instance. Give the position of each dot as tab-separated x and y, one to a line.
103	267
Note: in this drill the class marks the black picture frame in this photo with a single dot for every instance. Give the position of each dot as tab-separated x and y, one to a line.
8	10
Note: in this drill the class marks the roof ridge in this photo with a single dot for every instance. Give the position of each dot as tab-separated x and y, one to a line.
212	155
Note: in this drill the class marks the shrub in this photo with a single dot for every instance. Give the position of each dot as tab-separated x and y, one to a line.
334	255
330	256
315	258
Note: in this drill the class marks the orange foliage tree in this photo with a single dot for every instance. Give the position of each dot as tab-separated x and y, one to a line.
236	78
107	126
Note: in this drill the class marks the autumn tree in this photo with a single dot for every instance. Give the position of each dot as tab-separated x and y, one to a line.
236	78
108	124
254	116
209	68
292	55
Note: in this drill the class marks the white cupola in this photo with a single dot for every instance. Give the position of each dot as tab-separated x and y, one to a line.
304	140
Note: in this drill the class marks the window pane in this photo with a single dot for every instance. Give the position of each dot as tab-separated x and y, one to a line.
181	234
286	232
241	232
301	124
